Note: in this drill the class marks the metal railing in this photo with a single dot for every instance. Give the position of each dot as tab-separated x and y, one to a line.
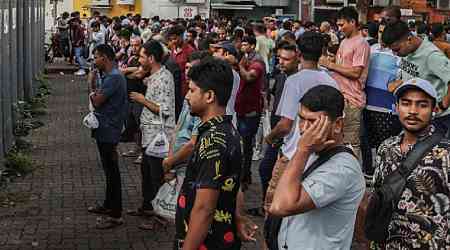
22	24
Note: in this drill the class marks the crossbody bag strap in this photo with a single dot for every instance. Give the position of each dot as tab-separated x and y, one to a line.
418	152
412	160
324	157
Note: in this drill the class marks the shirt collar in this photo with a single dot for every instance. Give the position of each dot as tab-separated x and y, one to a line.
213	122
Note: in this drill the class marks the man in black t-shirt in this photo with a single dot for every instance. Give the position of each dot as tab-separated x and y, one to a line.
134	84
206	215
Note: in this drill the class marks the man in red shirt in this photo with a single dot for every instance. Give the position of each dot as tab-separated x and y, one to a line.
249	101
180	51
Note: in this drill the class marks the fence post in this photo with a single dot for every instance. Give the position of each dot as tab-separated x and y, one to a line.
27	51
2	84
20	56
6	88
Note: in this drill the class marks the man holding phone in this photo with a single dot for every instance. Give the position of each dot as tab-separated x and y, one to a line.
324	203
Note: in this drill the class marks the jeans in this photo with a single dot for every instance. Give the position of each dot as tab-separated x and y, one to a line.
110	163
79	57
152	179
248	127
266	167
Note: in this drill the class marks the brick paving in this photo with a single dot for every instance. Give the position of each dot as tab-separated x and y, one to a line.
70	179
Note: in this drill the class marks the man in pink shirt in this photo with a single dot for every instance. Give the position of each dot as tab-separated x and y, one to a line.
350	72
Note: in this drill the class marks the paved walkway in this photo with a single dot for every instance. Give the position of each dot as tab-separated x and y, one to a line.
70	179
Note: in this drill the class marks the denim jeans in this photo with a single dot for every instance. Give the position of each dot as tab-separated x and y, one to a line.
248	127
110	164
79	57
266	167
152	179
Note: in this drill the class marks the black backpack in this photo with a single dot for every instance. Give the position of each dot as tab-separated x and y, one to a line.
386	197
273	223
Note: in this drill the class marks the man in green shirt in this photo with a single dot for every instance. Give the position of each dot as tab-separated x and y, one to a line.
422	59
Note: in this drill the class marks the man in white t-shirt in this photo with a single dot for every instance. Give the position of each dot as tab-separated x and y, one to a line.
310	45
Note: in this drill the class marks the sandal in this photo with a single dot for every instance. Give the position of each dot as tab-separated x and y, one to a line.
141	212
108	223
99	210
150	225
131	153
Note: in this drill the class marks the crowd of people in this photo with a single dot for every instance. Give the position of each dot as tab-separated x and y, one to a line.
198	97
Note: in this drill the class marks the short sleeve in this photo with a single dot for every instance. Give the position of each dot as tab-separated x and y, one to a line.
196	121
327	184
110	85
258	67
361	55
212	169
439	64
289	101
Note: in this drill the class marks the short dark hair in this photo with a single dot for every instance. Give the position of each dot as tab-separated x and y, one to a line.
124	33
249	39
105	50
216	75
287	25
393	11
193	32
394	32
95	25
177	30
324	98
198	55
259	27
437	29
372	28
155	49
422	28
311	45
348	13
285	45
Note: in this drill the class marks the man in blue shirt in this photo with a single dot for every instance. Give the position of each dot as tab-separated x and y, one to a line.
110	102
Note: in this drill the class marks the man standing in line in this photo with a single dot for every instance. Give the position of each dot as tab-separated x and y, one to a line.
205	217
110	102
159	101
350	72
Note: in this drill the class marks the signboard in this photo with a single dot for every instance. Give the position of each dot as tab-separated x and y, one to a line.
125	2
195	1
187	11
5	21
406	12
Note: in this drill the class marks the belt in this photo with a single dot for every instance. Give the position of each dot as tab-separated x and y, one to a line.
251	114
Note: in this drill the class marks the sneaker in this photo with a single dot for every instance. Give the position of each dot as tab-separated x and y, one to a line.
138	160
80	72
108	223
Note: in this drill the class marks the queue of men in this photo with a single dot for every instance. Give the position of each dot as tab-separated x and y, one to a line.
347	108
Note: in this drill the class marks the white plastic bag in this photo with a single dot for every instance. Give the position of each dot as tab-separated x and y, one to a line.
165	202
90	121
159	147
266	123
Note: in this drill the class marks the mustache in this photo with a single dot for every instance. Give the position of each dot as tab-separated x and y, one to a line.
413	118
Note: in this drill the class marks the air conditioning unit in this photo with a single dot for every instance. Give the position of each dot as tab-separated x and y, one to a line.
335	1
100	2
443	4
381	3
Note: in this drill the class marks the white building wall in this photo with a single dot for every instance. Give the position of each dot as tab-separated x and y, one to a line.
62	6
172	9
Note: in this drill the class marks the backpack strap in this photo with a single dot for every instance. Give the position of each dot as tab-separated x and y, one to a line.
325	156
